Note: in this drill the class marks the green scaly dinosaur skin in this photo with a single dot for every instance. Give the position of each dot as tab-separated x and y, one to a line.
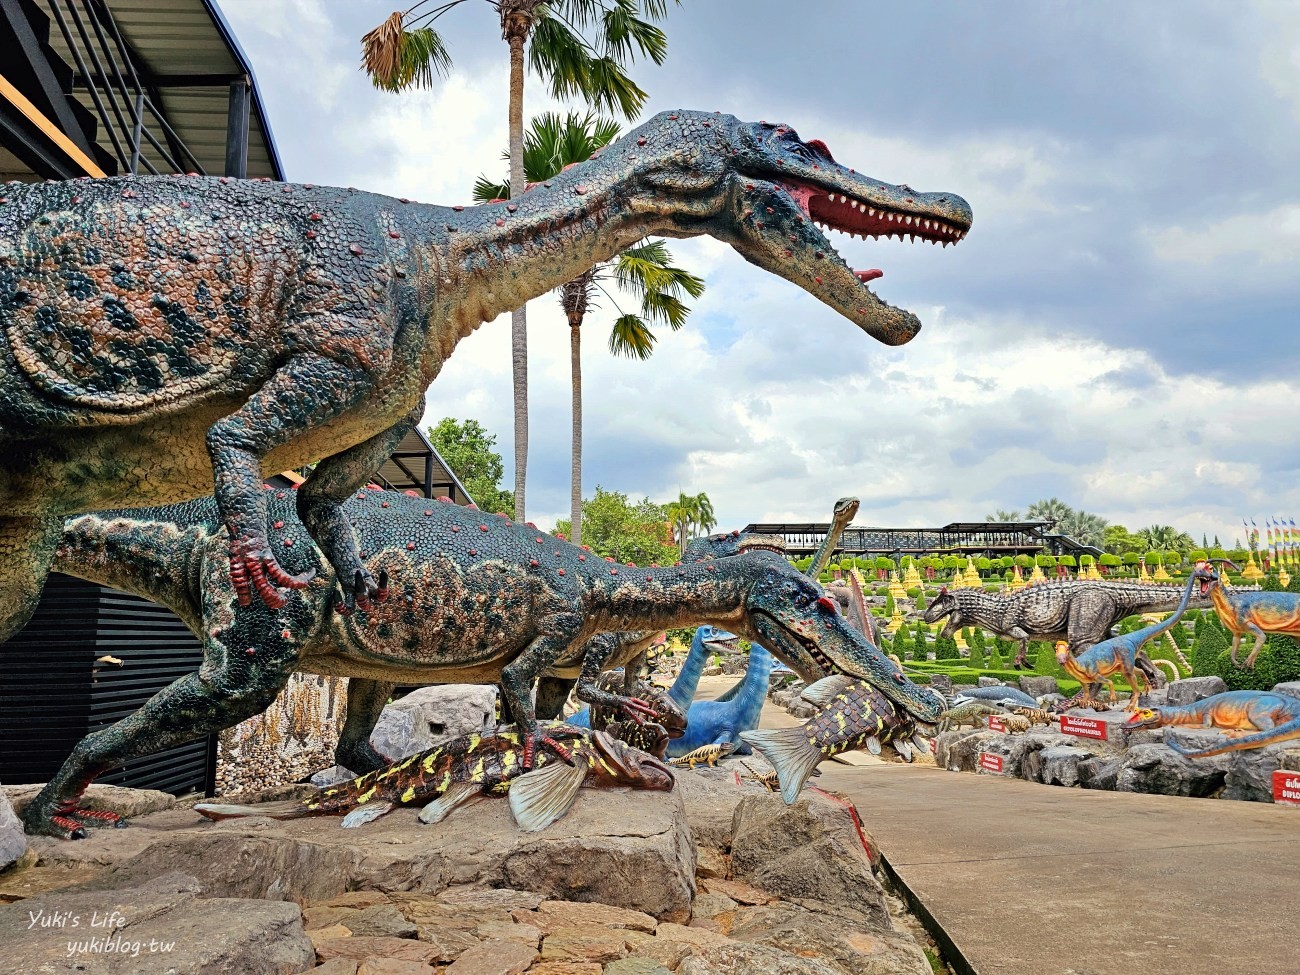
163	333
472	598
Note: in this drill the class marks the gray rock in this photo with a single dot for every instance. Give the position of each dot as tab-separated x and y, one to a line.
852	949
177	933
958	751
1250	774
941	683
810	850
332	776
1055	765
1160	770
1291	688
989	682
1101	772
13	841
1192	689
710	802
1290	759
626	849
1036	685
433	714
746	959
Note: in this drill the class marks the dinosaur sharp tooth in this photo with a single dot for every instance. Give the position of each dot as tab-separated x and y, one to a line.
907	220
871	211
946	243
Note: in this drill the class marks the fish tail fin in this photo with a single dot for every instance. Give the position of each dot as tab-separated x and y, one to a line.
437	810
545	794
1282	732
789	752
288	809
366	813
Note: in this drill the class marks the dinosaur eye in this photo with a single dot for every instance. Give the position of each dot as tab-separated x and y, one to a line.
800	150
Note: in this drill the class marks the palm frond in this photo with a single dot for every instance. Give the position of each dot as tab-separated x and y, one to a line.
630	336
398	57
485	190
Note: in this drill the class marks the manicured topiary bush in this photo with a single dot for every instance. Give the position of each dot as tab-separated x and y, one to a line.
945	648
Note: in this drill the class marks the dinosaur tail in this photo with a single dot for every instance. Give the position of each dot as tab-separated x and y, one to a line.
1173	667
1283	732
790	753
288	809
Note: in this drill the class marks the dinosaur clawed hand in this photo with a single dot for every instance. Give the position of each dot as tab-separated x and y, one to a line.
532	739
637	709
253	567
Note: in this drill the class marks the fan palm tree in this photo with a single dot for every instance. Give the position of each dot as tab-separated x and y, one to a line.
580	47
1162	538
1085	527
645	270
1048	509
1001	515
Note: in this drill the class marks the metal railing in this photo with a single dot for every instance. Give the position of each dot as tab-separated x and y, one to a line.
127	109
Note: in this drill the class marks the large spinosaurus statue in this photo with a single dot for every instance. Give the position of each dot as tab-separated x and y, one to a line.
1254	612
1124	654
473	598
160	333
1256	718
1081	613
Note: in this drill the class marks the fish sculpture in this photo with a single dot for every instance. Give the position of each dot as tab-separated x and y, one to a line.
465	768
852	714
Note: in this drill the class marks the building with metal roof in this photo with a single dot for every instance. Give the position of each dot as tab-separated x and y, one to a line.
988	538
106	87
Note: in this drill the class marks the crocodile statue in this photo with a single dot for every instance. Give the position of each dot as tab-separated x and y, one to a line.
161	333
1123	653
1257	718
1081	612
474	598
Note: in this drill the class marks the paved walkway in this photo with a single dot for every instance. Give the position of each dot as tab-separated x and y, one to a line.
1028	879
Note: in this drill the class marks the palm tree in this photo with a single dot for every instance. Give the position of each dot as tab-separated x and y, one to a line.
645	270
581	47
704	520
1001	515
1165	538
1085	527
681	515
1048	509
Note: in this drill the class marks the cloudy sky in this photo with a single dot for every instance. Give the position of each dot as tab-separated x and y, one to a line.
1118	330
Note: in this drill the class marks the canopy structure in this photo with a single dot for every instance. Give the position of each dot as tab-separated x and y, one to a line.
107	87
989	538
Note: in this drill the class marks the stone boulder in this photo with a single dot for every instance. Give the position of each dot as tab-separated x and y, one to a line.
1055	765
988	682
1291	688
1189	690
941	683
1036	685
433	714
710	797
627	849
106	798
13	841
1160	770
812	851
1101	772
159	928
807	934
959	751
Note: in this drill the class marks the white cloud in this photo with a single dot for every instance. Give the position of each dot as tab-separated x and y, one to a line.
1270	237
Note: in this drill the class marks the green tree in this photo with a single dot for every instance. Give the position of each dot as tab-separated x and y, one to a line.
1120	541
691	515
645	270
1003	515
1083	527
1043	655
889	604
1049	509
1165	537
1210	642
468	450
581	47
996	661
976	653
945	648
625	531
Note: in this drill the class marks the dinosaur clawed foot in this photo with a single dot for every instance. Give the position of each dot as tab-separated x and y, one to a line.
637	709
253	567
363	593
69	822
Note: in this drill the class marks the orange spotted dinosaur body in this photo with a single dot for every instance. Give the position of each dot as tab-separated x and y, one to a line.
1257	613
1258	717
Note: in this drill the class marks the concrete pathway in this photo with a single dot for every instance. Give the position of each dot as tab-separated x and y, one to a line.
1028	879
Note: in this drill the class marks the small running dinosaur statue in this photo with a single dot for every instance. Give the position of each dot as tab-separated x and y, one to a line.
1256	612
162	333
1123	653
1079	612
474	598
1260	718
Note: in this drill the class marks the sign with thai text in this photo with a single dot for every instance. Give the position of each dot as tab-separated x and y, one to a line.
1080	727
990	762
997	722
1286	787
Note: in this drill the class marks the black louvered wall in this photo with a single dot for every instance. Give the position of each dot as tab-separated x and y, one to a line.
52	693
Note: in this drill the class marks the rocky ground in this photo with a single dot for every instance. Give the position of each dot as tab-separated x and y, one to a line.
1128	761
717	877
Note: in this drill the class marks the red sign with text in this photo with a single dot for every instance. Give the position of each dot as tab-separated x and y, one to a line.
997	723
1286	787
1073	724
990	762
